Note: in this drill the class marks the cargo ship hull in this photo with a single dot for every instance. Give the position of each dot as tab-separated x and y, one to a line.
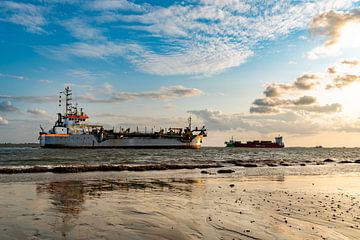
268	145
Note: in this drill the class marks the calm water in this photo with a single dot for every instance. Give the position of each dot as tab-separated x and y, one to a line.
24	157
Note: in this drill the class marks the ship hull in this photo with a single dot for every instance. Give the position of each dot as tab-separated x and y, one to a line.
258	146
255	145
91	141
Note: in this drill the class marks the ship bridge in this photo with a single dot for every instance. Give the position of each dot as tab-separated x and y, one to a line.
73	119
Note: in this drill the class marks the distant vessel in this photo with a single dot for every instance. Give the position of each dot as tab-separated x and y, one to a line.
256	144
71	131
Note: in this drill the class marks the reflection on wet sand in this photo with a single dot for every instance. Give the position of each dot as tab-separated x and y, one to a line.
68	198
268	207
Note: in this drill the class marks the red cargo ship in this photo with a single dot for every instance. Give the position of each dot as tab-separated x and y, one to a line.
256	144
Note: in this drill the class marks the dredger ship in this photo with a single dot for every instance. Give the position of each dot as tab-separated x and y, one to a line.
72	131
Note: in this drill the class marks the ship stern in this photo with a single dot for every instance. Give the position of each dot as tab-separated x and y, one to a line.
42	140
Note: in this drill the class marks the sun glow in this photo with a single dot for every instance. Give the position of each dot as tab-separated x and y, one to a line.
346	37
347	96
349	35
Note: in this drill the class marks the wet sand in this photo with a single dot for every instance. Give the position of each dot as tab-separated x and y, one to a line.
180	204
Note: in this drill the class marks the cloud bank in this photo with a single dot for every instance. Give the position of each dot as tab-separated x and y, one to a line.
285	108
166	92
285	96
194	37
286	122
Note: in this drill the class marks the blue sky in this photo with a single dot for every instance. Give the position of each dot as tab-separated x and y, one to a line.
248	69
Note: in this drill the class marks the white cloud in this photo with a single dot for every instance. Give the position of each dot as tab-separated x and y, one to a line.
206	61
38	112
322	51
114	5
6	106
45	81
28	15
37	99
82	30
17	77
263	109
348	125
303	82
229	5
88	97
107	88
169	105
3	121
328	108
344	73
92	51
84	74
162	93
76	85
273	102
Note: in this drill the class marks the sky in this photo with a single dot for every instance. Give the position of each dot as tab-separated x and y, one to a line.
247	69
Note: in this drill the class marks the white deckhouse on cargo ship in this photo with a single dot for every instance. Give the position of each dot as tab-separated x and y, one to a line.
71	131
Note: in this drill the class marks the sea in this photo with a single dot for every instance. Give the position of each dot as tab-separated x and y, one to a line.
28	159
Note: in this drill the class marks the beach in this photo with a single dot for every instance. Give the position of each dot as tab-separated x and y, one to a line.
179	120
249	203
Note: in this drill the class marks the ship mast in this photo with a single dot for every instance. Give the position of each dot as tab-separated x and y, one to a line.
68	100
71	113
